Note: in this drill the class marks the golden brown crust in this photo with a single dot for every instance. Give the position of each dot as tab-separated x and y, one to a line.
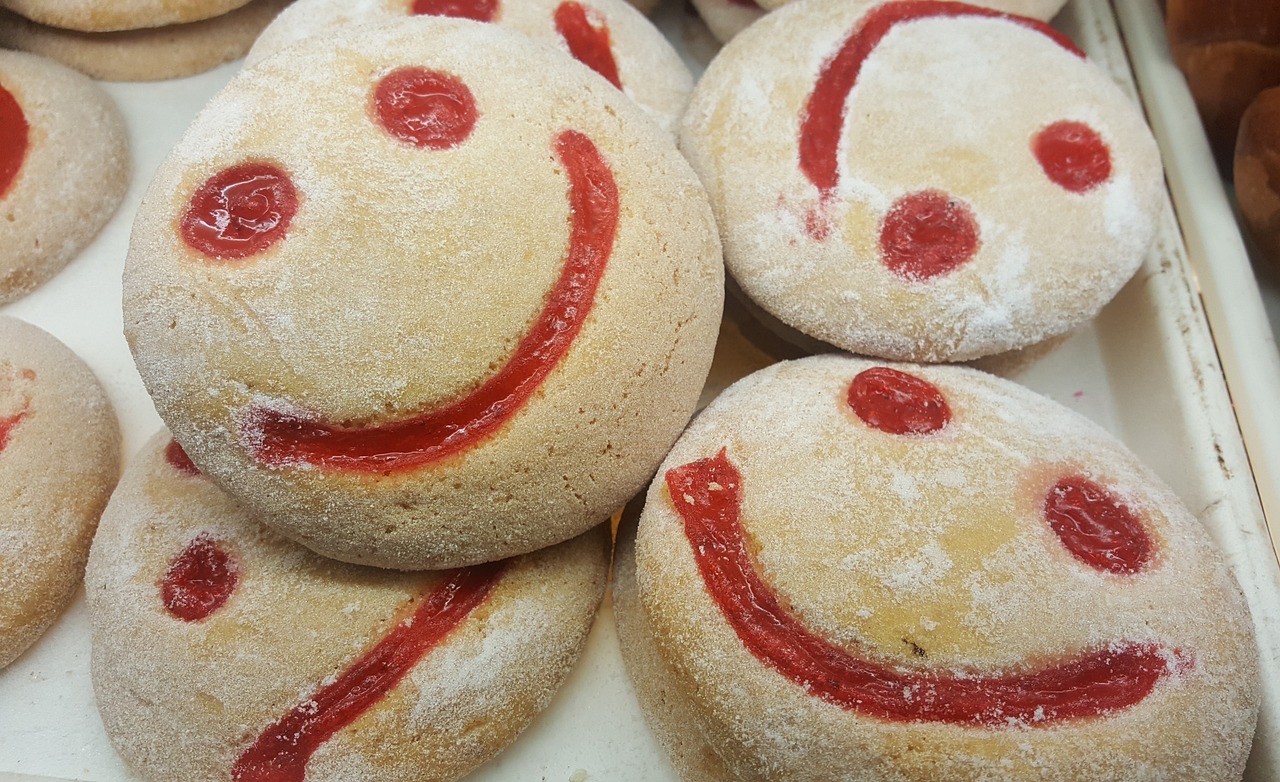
183	700
100	16
1257	173
56	471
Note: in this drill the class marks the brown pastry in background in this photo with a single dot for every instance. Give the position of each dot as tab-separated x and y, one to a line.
1257	173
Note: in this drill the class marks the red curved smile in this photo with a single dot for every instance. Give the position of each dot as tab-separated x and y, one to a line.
281	439
707	496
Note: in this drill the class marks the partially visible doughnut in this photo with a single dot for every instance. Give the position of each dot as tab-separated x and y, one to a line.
100	16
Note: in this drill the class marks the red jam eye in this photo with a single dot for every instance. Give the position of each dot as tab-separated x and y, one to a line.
1073	156
898	403
178	459
927	234
240	211
14	140
199	580
479	10
1096	527
429	109
588	41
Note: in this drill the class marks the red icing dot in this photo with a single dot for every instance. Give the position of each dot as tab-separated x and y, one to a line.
479	10
588	42
898	403
240	211
430	109
1073	156
178	459
927	234
199	580
1096	527
14	140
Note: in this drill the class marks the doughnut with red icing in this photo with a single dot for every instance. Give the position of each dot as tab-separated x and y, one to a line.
223	651
609	36
921	180
435	333
854	571
149	54
101	16
64	166
59	459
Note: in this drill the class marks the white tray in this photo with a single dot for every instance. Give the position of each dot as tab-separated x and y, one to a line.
1146	369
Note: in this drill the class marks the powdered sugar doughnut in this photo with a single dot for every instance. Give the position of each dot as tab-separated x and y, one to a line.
920	179
100	16
222	651
64	166
148	54
59	458
861	572
521	326
608	36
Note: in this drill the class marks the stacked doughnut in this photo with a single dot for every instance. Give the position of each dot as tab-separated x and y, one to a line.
422	302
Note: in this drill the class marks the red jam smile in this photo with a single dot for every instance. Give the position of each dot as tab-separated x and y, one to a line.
281	439
199	580
14	140
281	752
927	234
479	10
823	117
1073	156
240	211
898	403
429	109
707	494
588	42
1096	527
178	459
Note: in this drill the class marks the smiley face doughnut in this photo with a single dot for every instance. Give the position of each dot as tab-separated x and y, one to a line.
862	572
64	166
925	180
148	54
609	36
59	459
223	651
100	16
478	342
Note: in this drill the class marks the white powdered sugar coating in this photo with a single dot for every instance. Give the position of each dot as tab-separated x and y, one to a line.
183	700
110	15
941	104
651	72
872	543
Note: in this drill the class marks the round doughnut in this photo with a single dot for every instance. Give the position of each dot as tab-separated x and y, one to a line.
59	459
64	166
609	36
223	651
862	572
102	16
921	180
485	336
149	54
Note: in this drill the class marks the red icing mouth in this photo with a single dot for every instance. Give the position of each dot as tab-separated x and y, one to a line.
823	117
927	234
10	422
898	403
479	10
588	43
14	140
1096	527
1073	156
178	459
284	439
240	211
707	496
429	109
281	752
199	580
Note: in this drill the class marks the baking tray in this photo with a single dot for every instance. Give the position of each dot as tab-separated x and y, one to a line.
1146	369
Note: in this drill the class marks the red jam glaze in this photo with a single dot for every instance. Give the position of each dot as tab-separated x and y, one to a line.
823	115
281	752
430	109
1096	527
8	424
927	234
240	211
178	459
479	10
15	140
898	403
1073	156
283	439
199	580
707	496
588	43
